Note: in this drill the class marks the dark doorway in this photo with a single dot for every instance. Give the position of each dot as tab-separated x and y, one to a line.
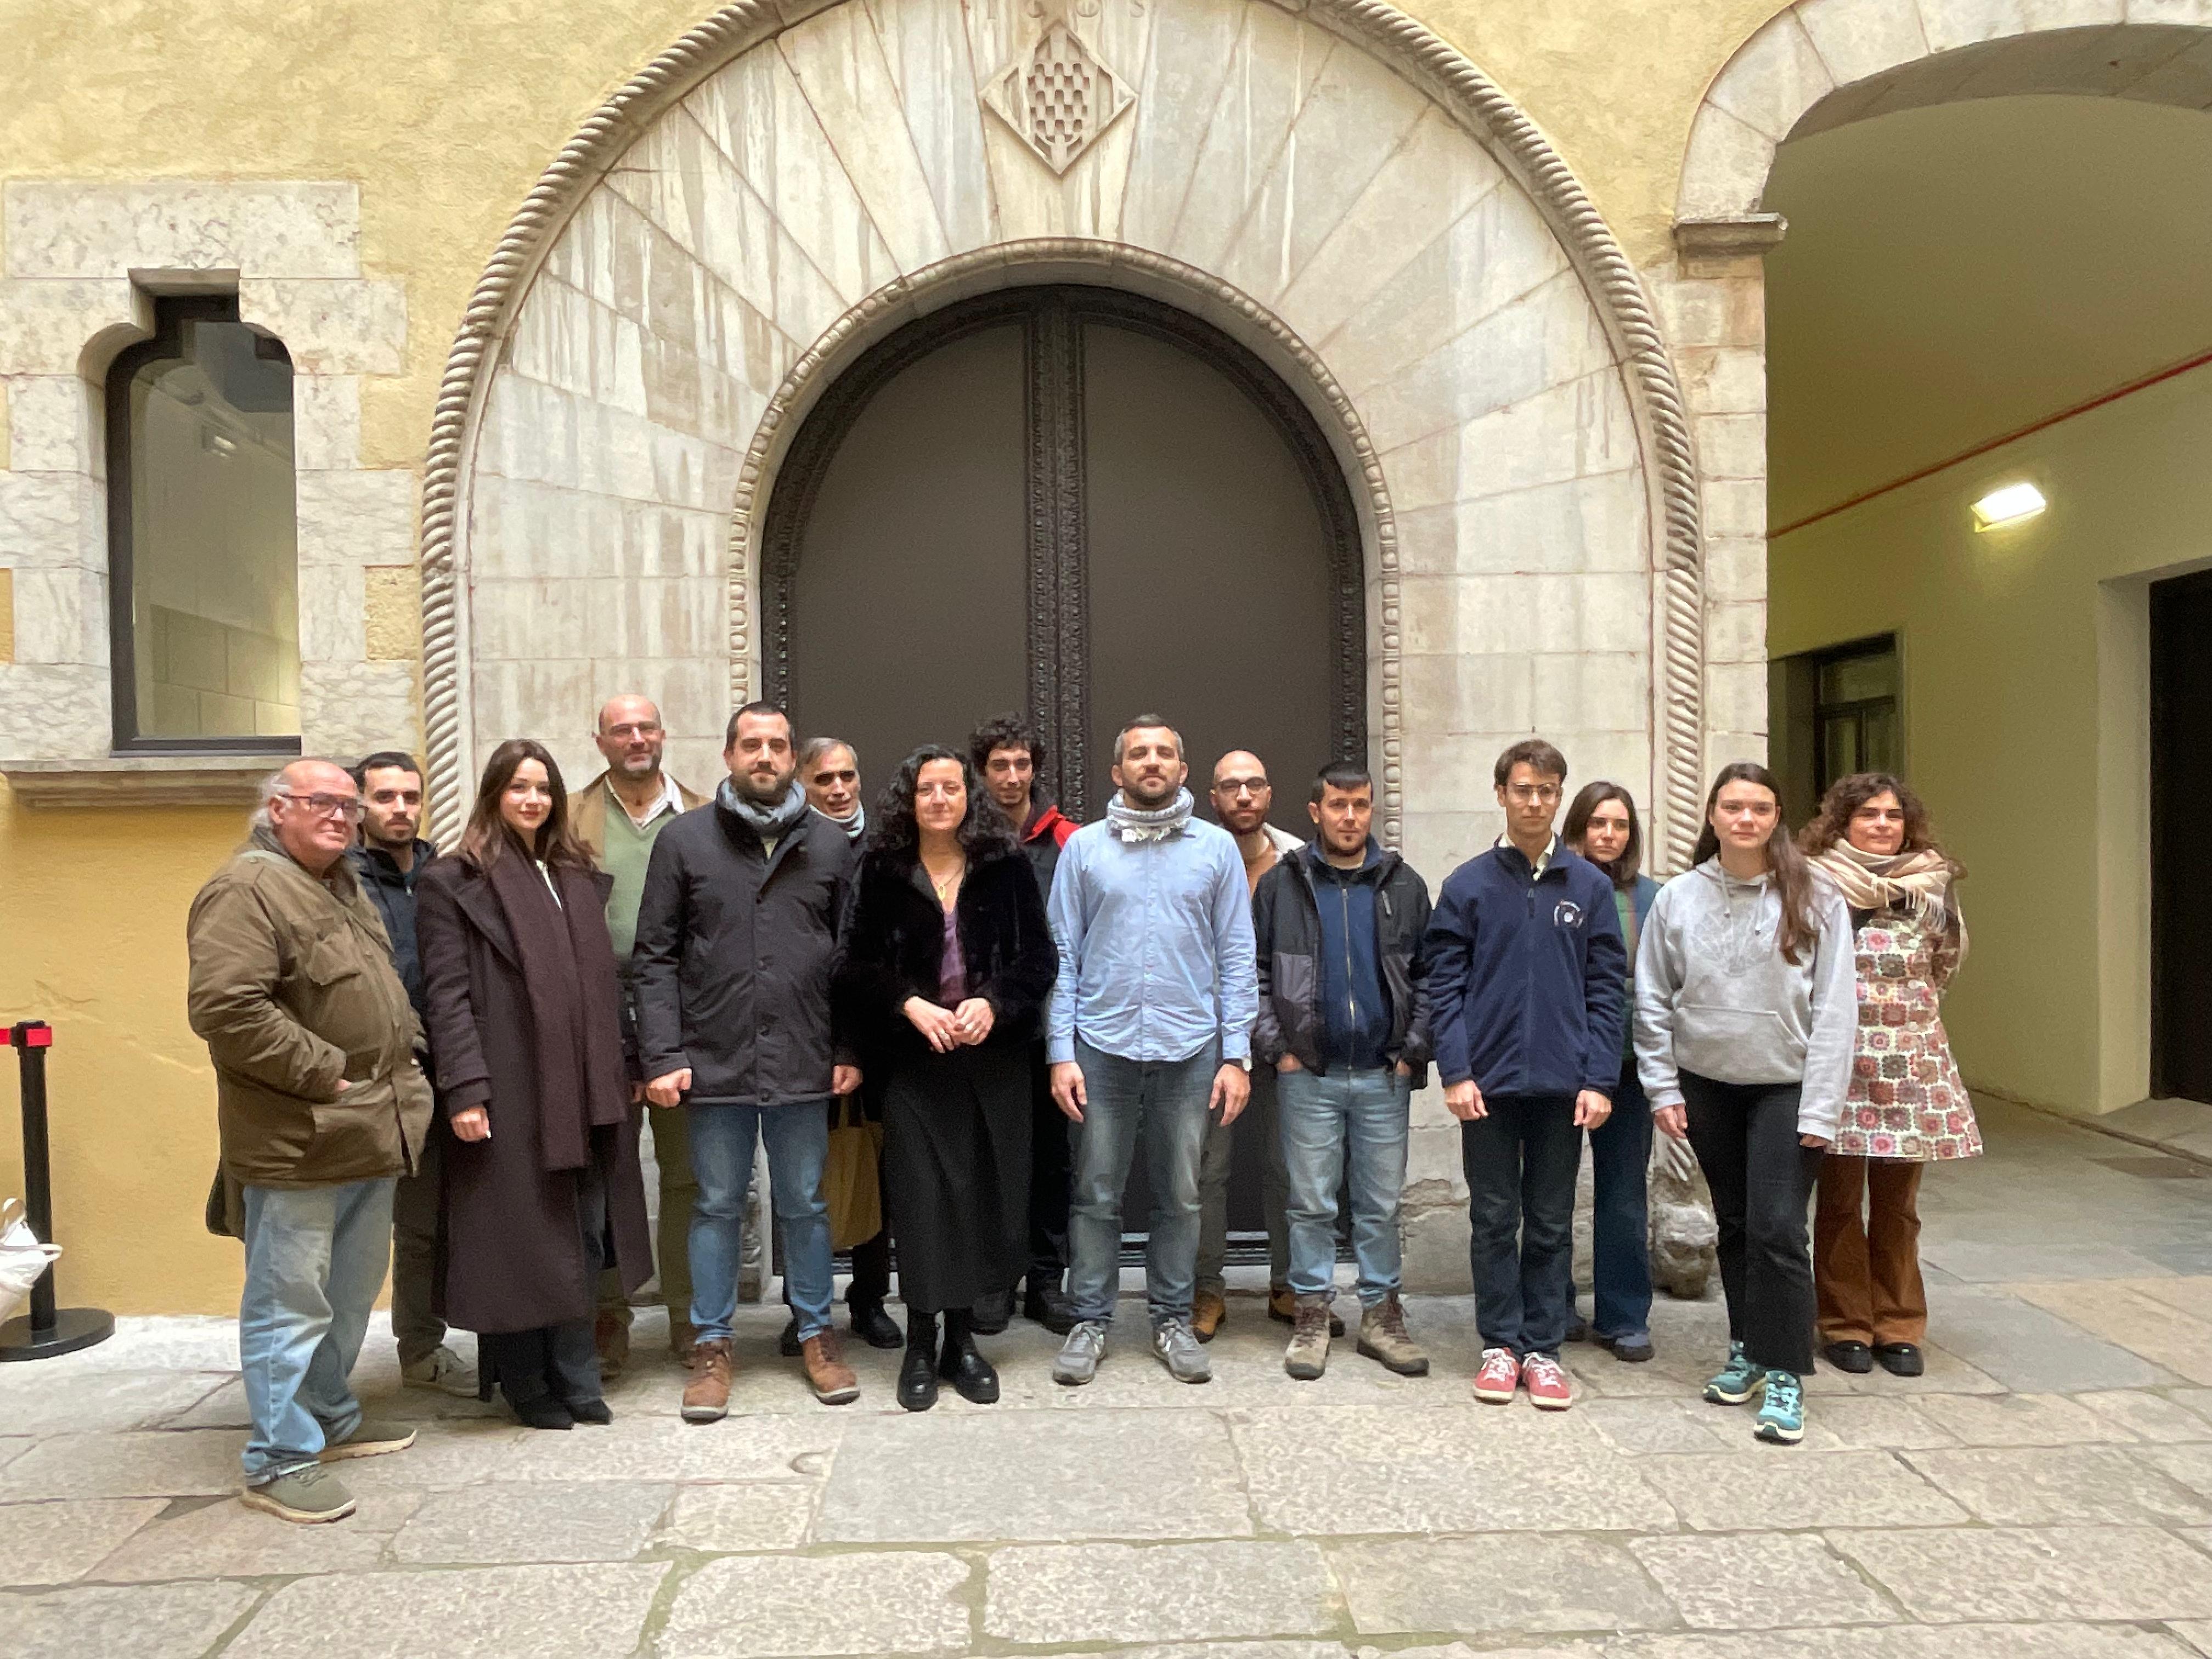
2180	785
1084	505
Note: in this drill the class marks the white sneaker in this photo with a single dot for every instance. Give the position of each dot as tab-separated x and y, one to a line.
442	1370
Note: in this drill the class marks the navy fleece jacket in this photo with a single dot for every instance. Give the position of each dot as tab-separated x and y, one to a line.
1527	975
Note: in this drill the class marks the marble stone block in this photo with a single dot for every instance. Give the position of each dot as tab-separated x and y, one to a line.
276	228
45	323
352	327
54	425
325	423
348	517
1774	78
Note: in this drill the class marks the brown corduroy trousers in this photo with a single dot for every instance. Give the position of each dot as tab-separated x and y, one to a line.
1866	1252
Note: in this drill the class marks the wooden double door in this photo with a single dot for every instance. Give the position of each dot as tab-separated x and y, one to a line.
1082	505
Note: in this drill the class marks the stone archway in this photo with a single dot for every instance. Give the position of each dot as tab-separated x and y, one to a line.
1820	64
770	196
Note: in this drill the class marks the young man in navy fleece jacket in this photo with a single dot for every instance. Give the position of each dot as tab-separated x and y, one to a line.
1526	968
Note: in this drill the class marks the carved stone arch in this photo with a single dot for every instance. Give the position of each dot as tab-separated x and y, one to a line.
1662	521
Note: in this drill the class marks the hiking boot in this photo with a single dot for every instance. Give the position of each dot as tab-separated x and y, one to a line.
827	1373
1499	1376
1547	1382
1077	1363
1207	1310
610	1340
370	1438
707	1395
1283	1308
1736	1382
1383	1339
443	1369
307	1496
1174	1347
682	1334
1307	1356
1781	1412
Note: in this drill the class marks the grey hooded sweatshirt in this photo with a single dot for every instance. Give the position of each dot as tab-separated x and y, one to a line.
1713	994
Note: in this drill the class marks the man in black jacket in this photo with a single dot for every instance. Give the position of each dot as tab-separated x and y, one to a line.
1344	1019
387	860
736	942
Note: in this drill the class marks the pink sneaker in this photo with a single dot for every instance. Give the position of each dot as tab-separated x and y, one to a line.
1499	1376
1546	1382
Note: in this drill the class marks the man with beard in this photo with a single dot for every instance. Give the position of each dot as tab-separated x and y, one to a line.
388	859
1242	798
1008	756
737	940
619	815
1150	1032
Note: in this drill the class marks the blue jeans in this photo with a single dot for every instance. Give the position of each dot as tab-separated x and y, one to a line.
1164	1104
1521	1162
314	1261
1621	1222
1351	1123
722	1141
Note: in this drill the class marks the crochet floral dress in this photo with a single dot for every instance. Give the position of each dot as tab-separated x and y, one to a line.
1907	1101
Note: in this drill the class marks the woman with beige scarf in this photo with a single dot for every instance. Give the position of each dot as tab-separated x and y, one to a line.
1908	1107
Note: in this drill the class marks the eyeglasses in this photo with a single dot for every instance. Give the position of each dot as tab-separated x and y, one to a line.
1537	794
1241	785
328	806
635	729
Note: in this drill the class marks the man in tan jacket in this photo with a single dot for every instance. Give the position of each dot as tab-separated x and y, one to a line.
321	1107
619	815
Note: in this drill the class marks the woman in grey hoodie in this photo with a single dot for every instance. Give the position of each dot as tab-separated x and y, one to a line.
1746	1010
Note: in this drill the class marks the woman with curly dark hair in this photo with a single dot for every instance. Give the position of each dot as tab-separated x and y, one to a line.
948	963
1908	1107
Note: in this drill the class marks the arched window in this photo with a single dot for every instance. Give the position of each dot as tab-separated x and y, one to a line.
204	565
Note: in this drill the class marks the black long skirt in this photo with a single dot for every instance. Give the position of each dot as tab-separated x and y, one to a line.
957	1171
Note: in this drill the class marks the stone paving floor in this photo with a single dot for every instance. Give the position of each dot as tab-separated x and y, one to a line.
2043	1493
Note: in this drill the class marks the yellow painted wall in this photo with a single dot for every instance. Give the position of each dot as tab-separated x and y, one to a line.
92	939
2028	750
445	115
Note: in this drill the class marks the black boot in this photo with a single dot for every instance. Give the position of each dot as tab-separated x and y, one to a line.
969	1373
917	1381
1048	1304
540	1411
993	1314
787	1344
874	1326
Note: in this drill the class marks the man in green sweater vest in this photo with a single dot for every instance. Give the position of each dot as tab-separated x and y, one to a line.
619	815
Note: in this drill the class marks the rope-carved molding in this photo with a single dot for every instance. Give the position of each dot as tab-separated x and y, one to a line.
1456	85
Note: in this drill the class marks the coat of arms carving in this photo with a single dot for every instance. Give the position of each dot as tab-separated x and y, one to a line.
1058	96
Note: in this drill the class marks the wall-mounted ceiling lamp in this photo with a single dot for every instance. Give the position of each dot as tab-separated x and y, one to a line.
2008	505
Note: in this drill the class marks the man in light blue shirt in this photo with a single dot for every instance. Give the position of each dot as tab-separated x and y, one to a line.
1150	1032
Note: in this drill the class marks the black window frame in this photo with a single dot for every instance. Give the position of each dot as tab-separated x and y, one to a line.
171	312
1872	645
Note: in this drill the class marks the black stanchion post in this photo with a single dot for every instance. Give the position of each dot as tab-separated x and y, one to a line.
46	1330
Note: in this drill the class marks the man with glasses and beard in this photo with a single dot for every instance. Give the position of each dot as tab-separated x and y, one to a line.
619	815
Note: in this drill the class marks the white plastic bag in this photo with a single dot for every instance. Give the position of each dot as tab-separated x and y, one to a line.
22	1258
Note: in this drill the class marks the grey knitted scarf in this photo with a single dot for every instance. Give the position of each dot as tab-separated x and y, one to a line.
1130	825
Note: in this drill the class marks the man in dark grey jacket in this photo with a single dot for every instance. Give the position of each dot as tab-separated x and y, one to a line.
1344	1019
737	941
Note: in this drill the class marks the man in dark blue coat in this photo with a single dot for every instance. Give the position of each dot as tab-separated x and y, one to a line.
1525	964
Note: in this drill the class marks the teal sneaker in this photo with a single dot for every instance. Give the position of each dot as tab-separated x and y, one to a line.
1737	1381
1782	1413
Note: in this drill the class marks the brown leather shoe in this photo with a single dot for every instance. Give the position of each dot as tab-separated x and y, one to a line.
1283	1308
682	1334
707	1395
1207	1310
827	1373
610	1336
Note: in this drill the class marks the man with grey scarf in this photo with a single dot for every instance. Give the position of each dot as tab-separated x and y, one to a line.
737	940
1149	1033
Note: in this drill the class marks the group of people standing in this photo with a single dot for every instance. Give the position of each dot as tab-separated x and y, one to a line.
1026	1007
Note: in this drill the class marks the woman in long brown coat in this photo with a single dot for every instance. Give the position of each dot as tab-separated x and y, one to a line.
543	1188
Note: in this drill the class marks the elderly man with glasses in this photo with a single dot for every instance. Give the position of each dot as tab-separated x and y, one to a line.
321	1106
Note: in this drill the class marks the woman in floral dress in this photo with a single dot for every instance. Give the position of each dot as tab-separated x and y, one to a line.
1908	1107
